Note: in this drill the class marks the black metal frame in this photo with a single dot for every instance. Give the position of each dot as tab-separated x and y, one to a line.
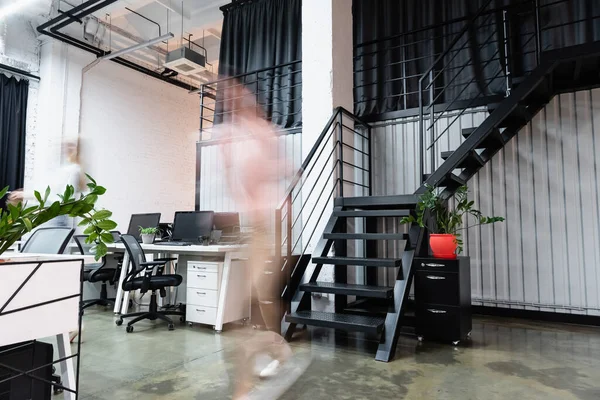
56	385
76	14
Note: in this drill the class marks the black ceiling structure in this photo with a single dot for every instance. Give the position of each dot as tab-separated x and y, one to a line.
75	15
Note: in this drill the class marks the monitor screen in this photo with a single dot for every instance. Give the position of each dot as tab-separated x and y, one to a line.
227	222
143	220
190	225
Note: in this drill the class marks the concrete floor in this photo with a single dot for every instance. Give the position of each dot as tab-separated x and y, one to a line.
506	359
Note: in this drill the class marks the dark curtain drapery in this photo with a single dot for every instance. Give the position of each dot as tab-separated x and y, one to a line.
13	116
263	34
397	41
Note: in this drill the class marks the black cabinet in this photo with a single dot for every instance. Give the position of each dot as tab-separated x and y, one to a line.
443	298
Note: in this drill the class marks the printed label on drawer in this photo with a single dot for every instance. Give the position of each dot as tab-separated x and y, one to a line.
202	297
203	280
193	267
201	315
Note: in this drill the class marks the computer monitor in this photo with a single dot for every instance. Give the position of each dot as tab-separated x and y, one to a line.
227	222
191	225
143	220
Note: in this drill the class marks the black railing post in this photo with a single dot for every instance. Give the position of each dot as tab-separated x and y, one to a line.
289	219
538	32
421	135
432	116
279	261
370	160
341	150
201	111
507	72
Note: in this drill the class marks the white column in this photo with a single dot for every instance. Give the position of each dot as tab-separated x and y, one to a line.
327	82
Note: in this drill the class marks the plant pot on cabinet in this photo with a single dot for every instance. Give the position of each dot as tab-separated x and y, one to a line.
443	245
148	238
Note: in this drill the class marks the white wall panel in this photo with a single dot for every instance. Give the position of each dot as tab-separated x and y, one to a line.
546	256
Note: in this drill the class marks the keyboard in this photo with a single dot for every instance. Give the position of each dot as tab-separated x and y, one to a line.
174	243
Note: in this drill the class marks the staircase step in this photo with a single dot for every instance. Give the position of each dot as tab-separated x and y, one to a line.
366	236
404	201
372	213
493	141
379	292
367	262
347	322
446	154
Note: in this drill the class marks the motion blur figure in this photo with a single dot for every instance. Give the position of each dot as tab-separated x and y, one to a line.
253	181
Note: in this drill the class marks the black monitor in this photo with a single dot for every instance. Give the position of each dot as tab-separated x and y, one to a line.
191	225
227	222
144	221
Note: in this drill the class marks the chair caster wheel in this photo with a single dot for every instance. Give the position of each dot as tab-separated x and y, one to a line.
182	319
456	342
129	329
119	322
58	390
190	324
218	332
420	338
171	327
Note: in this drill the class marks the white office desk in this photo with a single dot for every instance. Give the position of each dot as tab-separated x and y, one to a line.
224	253
39	301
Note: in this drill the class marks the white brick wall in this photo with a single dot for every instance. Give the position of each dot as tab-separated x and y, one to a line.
139	140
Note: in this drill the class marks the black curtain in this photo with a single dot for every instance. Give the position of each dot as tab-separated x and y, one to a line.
262	34
13	116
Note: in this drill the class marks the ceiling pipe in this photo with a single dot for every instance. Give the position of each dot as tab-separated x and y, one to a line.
139	46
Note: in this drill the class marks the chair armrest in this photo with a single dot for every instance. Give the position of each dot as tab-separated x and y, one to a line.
165	259
152	263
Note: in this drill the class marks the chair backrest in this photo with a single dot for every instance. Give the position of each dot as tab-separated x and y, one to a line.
84	248
136	254
48	240
116	236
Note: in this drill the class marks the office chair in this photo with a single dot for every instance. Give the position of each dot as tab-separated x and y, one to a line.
148	282
96	273
48	240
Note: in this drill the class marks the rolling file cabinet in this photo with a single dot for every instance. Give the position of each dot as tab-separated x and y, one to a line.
443	299
208	301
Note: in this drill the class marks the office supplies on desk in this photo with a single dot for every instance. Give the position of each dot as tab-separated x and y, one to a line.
144	221
228	226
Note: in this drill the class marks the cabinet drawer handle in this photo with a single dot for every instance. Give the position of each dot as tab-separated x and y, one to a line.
268	272
197	309
435	277
434	265
201	293
434	311
201	276
201	267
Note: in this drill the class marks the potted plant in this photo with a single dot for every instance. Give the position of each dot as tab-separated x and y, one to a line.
148	234
445	224
17	220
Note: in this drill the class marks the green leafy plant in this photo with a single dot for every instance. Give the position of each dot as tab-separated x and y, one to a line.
444	219
148	231
19	219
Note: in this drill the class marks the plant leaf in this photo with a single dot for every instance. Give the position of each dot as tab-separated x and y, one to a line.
102	214
28	224
3	192
100	250
106	237
47	194
89	230
107	224
84	222
99	190
91	179
38	197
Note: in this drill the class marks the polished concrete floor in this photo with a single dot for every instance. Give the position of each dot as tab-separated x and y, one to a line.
506	359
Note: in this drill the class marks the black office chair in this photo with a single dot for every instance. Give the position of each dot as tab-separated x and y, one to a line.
148	282
48	240
96	273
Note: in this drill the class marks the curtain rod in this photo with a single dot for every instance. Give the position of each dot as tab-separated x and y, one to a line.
18	71
234	4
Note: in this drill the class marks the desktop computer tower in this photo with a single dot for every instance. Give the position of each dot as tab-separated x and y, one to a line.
26	357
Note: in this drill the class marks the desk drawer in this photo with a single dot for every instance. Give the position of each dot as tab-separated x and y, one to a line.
201	314
435	264
443	322
437	288
202	297
203	280
203	267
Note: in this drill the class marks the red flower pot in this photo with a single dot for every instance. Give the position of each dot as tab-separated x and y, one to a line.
443	245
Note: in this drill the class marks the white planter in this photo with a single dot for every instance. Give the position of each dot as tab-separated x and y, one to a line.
148	239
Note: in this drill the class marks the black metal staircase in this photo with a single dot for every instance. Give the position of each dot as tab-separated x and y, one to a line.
566	69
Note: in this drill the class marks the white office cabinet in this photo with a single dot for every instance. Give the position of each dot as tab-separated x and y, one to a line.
216	295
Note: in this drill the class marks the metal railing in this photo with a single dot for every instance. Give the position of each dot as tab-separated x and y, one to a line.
276	96
441	89
339	164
